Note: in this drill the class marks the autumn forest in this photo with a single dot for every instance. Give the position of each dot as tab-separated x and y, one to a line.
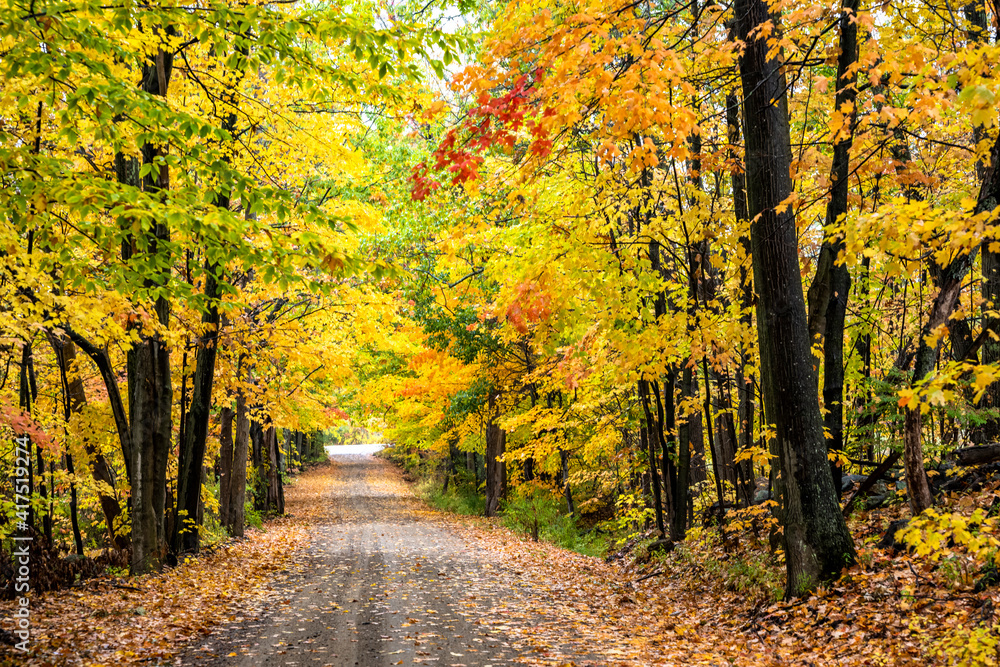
621	333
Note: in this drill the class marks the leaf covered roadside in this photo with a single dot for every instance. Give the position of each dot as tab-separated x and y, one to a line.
679	610
120	621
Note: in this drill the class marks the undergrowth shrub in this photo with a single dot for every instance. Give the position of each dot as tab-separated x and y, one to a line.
252	516
536	509
460	498
530	507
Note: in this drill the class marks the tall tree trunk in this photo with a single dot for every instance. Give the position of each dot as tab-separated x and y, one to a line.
496	469
668	442
257	461
192	451
191	456
726	435
238	484
648	435
25	402
817	542
226	464
149	370
275	492
831	286
718	467
744	383
975	13
689	439
29	396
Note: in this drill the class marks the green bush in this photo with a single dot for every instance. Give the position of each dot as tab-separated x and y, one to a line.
537	510
531	507
460	498
252	516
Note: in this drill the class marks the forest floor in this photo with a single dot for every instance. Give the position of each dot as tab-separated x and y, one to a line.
364	574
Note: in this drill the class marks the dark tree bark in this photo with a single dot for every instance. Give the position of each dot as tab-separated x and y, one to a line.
718	467
274	495
831	286
151	390
975	13
725	435
259	489
817	542
192	450
226	452
26	399
236	515
70	405
668	446
689	439
496	469
191	456
744	384
649	435
978	454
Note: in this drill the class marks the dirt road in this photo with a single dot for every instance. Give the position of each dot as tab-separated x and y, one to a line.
385	582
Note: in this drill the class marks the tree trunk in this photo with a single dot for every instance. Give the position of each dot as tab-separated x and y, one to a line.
286	439
25	401
149	371
744	384
226	453
275	495
567	491
648	435
668	443
831	286
975	13
191	456
236	516
259	490
688	440
718	467
817	542
496	469
151	430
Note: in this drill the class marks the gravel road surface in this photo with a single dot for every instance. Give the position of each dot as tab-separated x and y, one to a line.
383	583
